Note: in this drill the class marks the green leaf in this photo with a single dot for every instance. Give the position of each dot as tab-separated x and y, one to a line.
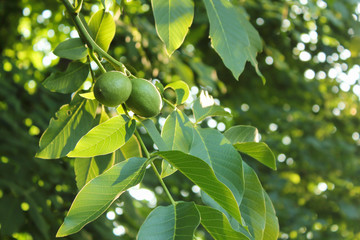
103	3
213	148
255	42
202	111
172	21
216	223
200	173
159	87
70	123
167	169
73	49
178	134
96	196
130	149
103	116
244	137
105	138
253	204
271	231
233	222
181	89
155	135
177	221
88	95
89	168
228	37
120	109
68	81
241	133
259	151
102	27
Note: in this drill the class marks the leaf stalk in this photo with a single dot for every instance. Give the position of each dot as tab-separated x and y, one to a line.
154	168
169	103
97	61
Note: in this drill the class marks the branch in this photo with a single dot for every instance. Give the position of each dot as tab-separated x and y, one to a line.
86	37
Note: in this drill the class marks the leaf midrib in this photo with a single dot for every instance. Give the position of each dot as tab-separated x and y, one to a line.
102	140
222	29
101	22
169	21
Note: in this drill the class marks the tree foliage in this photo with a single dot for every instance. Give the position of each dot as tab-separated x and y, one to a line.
306	113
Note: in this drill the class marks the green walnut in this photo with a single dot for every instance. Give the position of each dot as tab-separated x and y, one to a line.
144	100
112	88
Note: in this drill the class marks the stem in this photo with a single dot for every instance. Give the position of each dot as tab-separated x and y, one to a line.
125	109
69	6
97	61
154	168
91	71
88	39
147	154
163	184
169	103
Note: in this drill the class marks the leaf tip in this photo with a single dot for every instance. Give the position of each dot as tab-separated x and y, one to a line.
236	75
263	80
170	51
40	155
71	154
60	232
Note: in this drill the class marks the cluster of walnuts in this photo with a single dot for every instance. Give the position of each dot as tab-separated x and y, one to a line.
140	96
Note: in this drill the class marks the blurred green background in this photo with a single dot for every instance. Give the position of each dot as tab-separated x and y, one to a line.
308	113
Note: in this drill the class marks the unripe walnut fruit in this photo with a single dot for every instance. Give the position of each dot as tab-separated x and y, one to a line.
145	99
112	88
